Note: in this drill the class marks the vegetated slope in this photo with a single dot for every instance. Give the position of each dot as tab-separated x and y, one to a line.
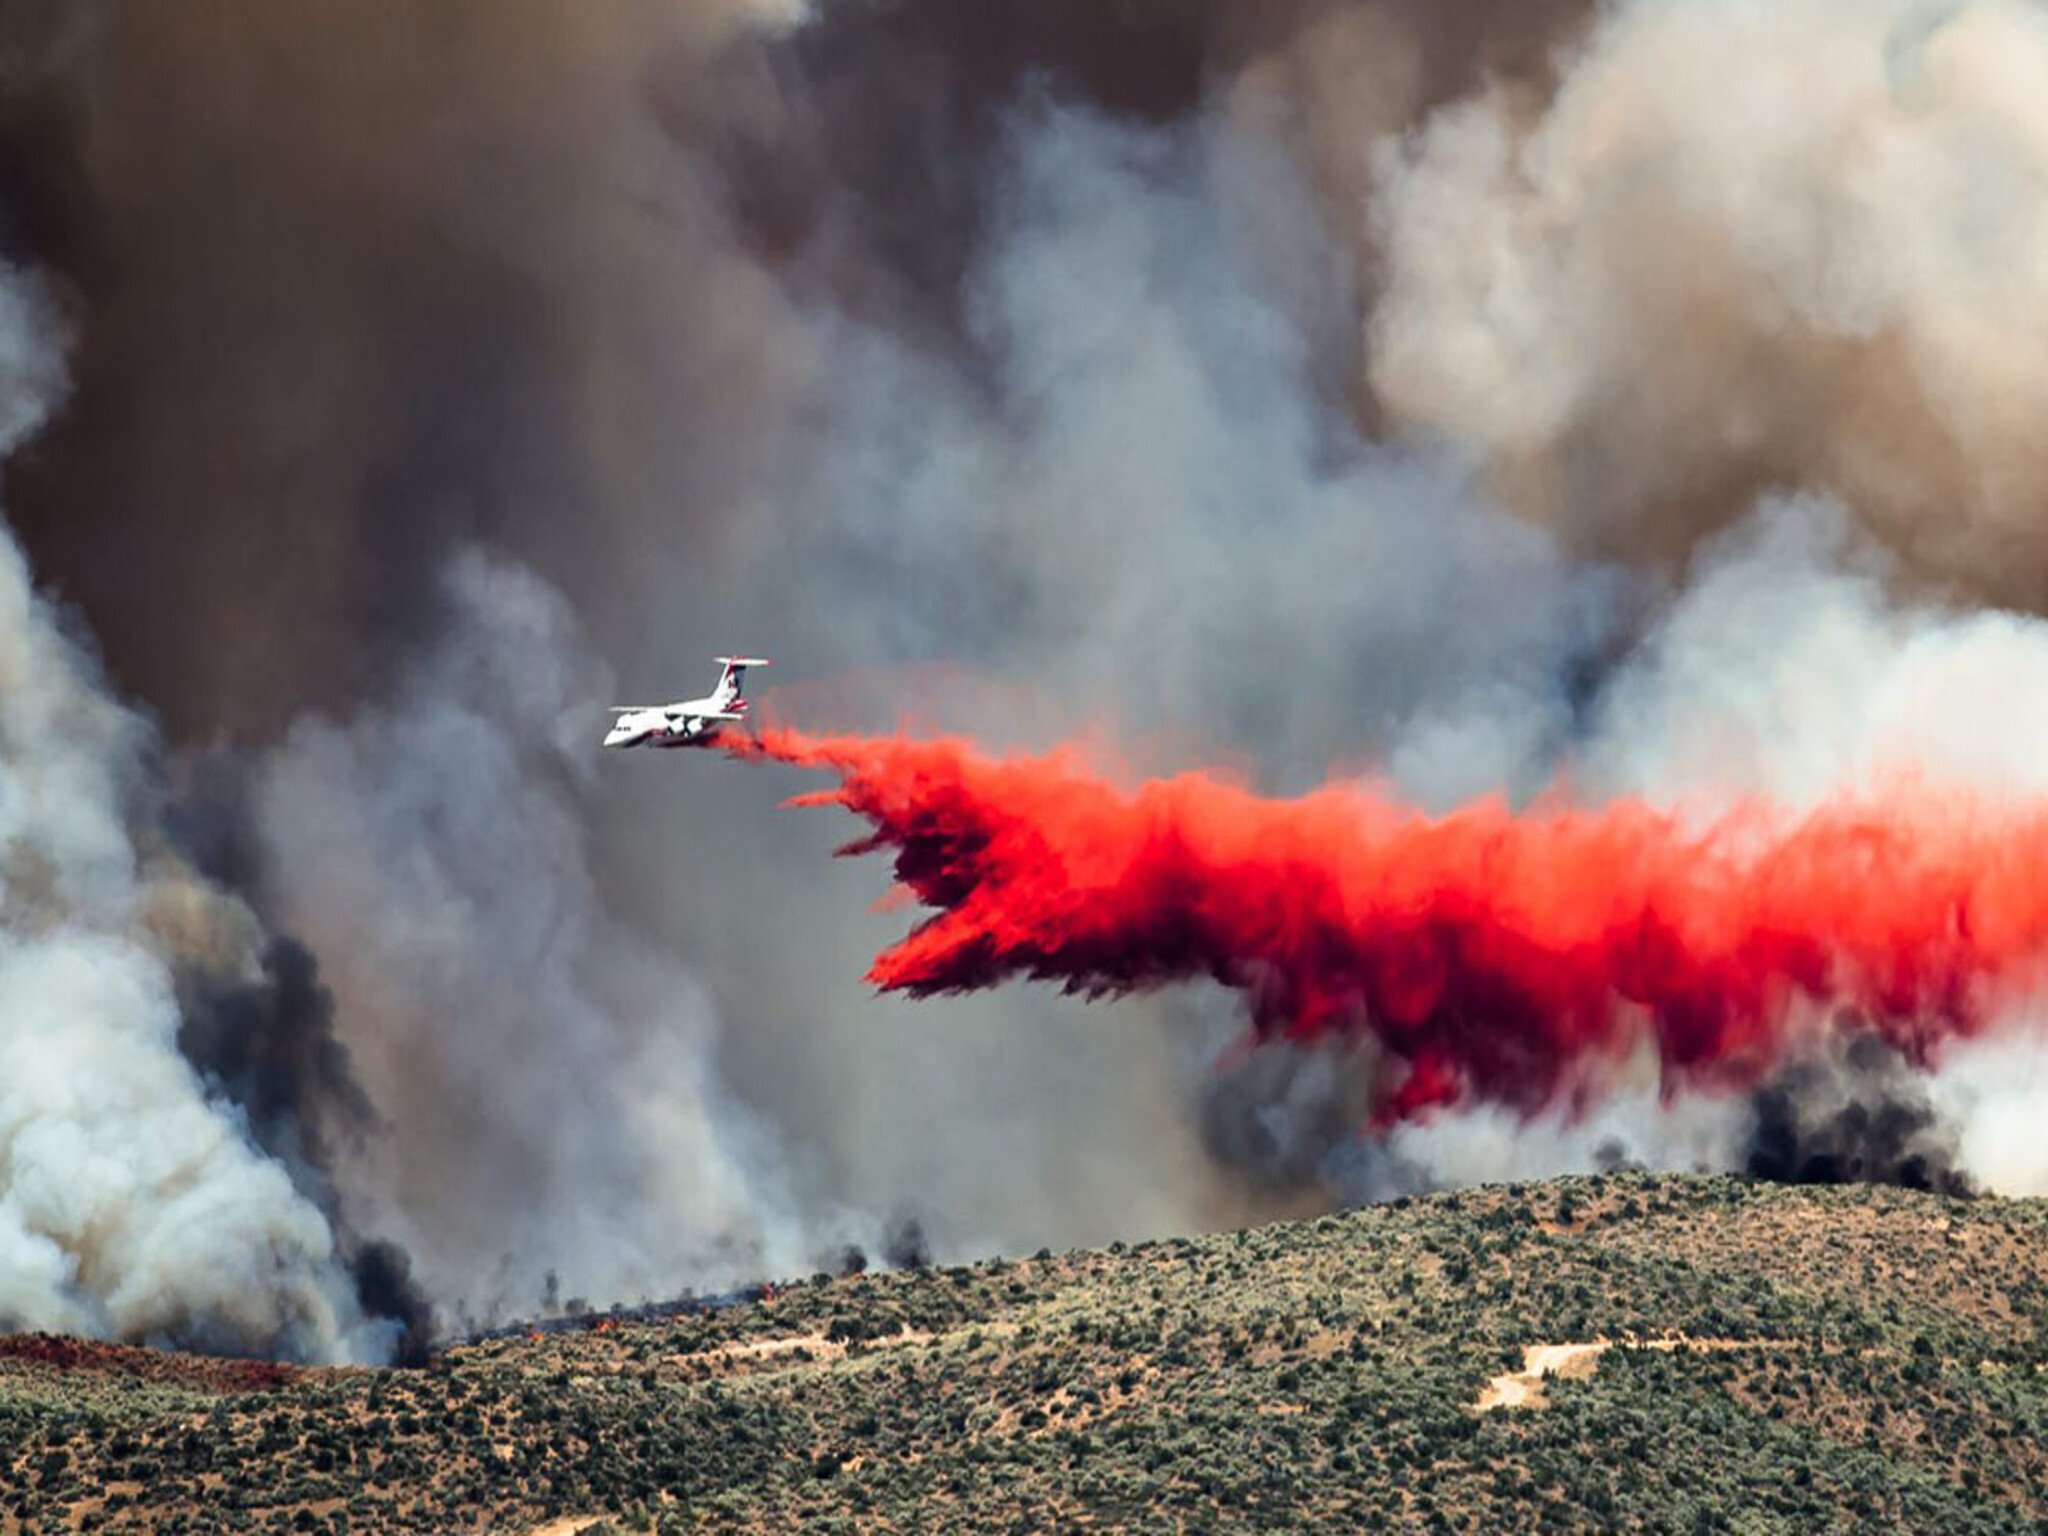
1779	1358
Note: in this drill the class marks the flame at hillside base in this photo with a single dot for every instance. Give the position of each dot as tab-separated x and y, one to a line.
1493	955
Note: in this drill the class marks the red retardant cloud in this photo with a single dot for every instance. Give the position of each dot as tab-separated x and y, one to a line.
1494	955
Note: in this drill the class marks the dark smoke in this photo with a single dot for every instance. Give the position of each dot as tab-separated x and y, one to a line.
1291	1123
870	131
329	268
1855	1114
386	1289
904	1245
1612	1156
339	278
269	1045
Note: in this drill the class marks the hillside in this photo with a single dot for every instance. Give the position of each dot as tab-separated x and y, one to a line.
1776	1358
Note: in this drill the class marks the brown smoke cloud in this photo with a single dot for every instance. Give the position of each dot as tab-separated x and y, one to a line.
346	279
1795	246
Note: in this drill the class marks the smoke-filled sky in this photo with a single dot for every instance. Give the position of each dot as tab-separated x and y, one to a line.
1629	401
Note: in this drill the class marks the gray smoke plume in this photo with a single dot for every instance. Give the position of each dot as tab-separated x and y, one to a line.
411	262
543	1078
1293	1124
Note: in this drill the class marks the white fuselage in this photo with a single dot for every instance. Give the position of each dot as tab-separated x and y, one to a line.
691	723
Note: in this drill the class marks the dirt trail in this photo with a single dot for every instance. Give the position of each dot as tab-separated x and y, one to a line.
820	1347
1524	1388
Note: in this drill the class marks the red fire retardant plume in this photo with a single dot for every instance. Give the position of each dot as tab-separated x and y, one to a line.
1493	955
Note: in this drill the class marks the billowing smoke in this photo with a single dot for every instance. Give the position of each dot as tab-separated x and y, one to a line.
1743	247
1477	399
544	1077
134	1201
413	266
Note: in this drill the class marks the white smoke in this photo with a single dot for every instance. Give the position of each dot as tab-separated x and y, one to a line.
1789	668
131	1203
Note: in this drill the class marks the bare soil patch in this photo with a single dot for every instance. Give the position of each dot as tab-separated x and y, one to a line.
1524	1388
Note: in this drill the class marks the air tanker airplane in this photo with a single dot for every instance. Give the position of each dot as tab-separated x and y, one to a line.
693	722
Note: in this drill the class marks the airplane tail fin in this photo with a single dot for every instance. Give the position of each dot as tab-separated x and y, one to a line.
733	679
